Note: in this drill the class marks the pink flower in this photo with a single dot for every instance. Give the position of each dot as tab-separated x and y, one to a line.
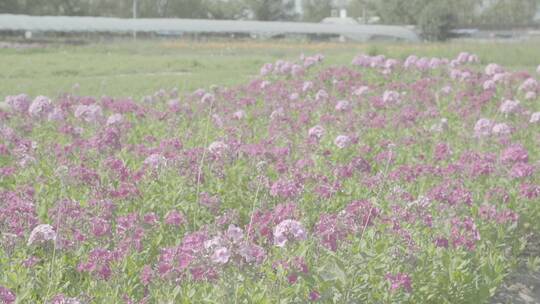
208	98
515	153
6	295
174	218
530	95
391	97
251	252
288	230
501	129
529	85
307	86
400	280
535	117
343	106
56	114
115	119
489	85
521	170
314	295
285	188
155	161
493	68
316	132
483	127
221	255
88	113
146	275
361	91
235	234
218	148
441	242
446	90
321	95
18	103
342	141
239	115
266	69
40	107
100	227
509	106
42	234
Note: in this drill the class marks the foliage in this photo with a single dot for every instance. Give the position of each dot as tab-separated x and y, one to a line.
436	20
382	180
316	10
268	10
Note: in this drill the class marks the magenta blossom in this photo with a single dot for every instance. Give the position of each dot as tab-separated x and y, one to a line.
288	230
6	295
398	281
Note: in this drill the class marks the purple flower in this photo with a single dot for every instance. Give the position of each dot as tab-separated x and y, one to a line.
155	161
174	218
6	295
441	242
483	127
521	170
146	275
493	68
40	107
489	85
343	106
285	188
235	234
208	98
18	103
515	153
314	295
361	91
501	129
321	95
535	117
530	95
529	85
88	113
42	234
288	230
342	141
391	97
115	119
221	255
316	132
251	252
400	280
509	106
218	148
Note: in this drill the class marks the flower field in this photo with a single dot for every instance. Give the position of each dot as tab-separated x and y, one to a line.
377	181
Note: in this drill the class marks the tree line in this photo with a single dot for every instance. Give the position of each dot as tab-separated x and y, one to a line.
434	17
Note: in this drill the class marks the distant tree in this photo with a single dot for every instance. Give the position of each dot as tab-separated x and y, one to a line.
9	6
399	11
436	20
509	13
270	10
316	10
225	9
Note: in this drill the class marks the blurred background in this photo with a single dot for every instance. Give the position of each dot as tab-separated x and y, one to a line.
132	48
430	19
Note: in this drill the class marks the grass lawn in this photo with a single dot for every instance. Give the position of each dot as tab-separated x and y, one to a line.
136	69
